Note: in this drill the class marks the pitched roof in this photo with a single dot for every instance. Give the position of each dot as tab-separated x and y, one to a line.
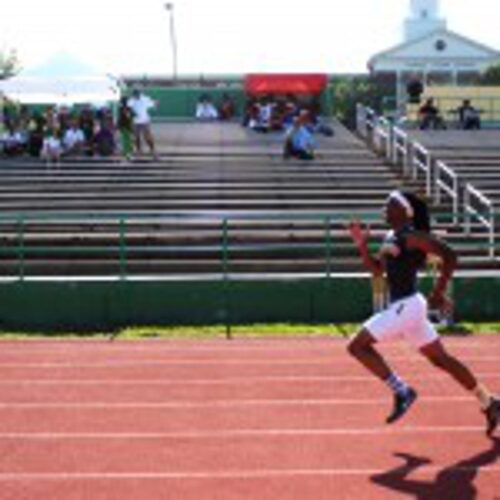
442	32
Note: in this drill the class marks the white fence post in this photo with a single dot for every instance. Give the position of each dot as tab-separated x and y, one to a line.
486	217
443	171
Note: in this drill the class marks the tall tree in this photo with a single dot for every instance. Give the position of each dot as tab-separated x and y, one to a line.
491	76
9	63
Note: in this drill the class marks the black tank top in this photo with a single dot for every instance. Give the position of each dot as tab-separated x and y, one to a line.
402	264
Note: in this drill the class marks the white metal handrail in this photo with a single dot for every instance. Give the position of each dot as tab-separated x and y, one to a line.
421	160
486	216
400	148
447	182
382	136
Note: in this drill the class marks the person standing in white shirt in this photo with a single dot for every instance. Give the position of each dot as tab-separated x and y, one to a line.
140	105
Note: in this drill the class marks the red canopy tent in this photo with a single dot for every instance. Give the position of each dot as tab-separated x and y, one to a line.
285	83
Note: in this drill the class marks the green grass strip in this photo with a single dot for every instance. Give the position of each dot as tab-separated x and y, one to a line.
259	331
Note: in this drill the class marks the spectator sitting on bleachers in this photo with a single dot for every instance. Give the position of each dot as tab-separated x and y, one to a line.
87	124
291	110
262	121
251	113
73	139
52	148
226	109
205	109
429	116
12	141
36	135
299	139
64	119
104	139
468	116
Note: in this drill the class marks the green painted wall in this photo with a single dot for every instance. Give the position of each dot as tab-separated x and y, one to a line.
180	102
90	306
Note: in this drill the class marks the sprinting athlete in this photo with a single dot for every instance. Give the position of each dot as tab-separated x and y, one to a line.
402	254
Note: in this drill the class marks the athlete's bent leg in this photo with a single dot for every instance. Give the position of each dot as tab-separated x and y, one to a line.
490	405
362	348
439	357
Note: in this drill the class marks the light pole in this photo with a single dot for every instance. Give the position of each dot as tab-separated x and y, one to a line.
169	7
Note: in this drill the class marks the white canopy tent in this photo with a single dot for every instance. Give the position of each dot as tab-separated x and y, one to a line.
62	80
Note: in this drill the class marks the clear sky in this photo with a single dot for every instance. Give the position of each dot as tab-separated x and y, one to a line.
225	36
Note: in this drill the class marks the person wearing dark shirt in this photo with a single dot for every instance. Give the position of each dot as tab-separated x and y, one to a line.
430	117
87	124
227	109
104	139
468	116
401	256
126	128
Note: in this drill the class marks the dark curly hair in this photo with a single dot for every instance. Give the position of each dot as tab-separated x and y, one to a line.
421	218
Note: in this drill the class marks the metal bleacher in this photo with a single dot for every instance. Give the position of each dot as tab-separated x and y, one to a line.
219	199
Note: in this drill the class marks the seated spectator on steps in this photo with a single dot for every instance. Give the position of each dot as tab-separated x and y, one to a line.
226	109
299	140
73	139
104	139
468	116
36	135
12	141
87	124
52	148
429	116
250	113
205	109
264	113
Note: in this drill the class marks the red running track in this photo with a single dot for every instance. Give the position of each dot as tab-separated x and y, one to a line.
247	419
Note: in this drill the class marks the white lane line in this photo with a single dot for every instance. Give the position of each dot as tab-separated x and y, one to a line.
230	475
101	405
325	361
222	381
240	433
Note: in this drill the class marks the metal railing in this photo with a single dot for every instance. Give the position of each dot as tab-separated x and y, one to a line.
421	161
400	148
23	236
447	183
439	178
478	206
382	136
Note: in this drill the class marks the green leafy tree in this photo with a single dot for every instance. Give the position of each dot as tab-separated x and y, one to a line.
369	90
9	64
491	76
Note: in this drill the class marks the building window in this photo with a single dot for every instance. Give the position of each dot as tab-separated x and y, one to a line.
440	45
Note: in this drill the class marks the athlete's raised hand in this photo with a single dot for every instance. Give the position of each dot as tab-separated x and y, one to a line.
359	234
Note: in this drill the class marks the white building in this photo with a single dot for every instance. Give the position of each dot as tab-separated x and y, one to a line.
432	53
423	19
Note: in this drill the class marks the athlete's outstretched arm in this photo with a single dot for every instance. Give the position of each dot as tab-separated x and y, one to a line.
360	238
434	246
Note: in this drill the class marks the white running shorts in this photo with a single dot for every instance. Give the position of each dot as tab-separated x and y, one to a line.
405	319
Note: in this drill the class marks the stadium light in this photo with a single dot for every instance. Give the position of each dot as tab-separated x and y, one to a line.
169	7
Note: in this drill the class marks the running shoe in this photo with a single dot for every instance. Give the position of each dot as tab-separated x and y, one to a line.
402	403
